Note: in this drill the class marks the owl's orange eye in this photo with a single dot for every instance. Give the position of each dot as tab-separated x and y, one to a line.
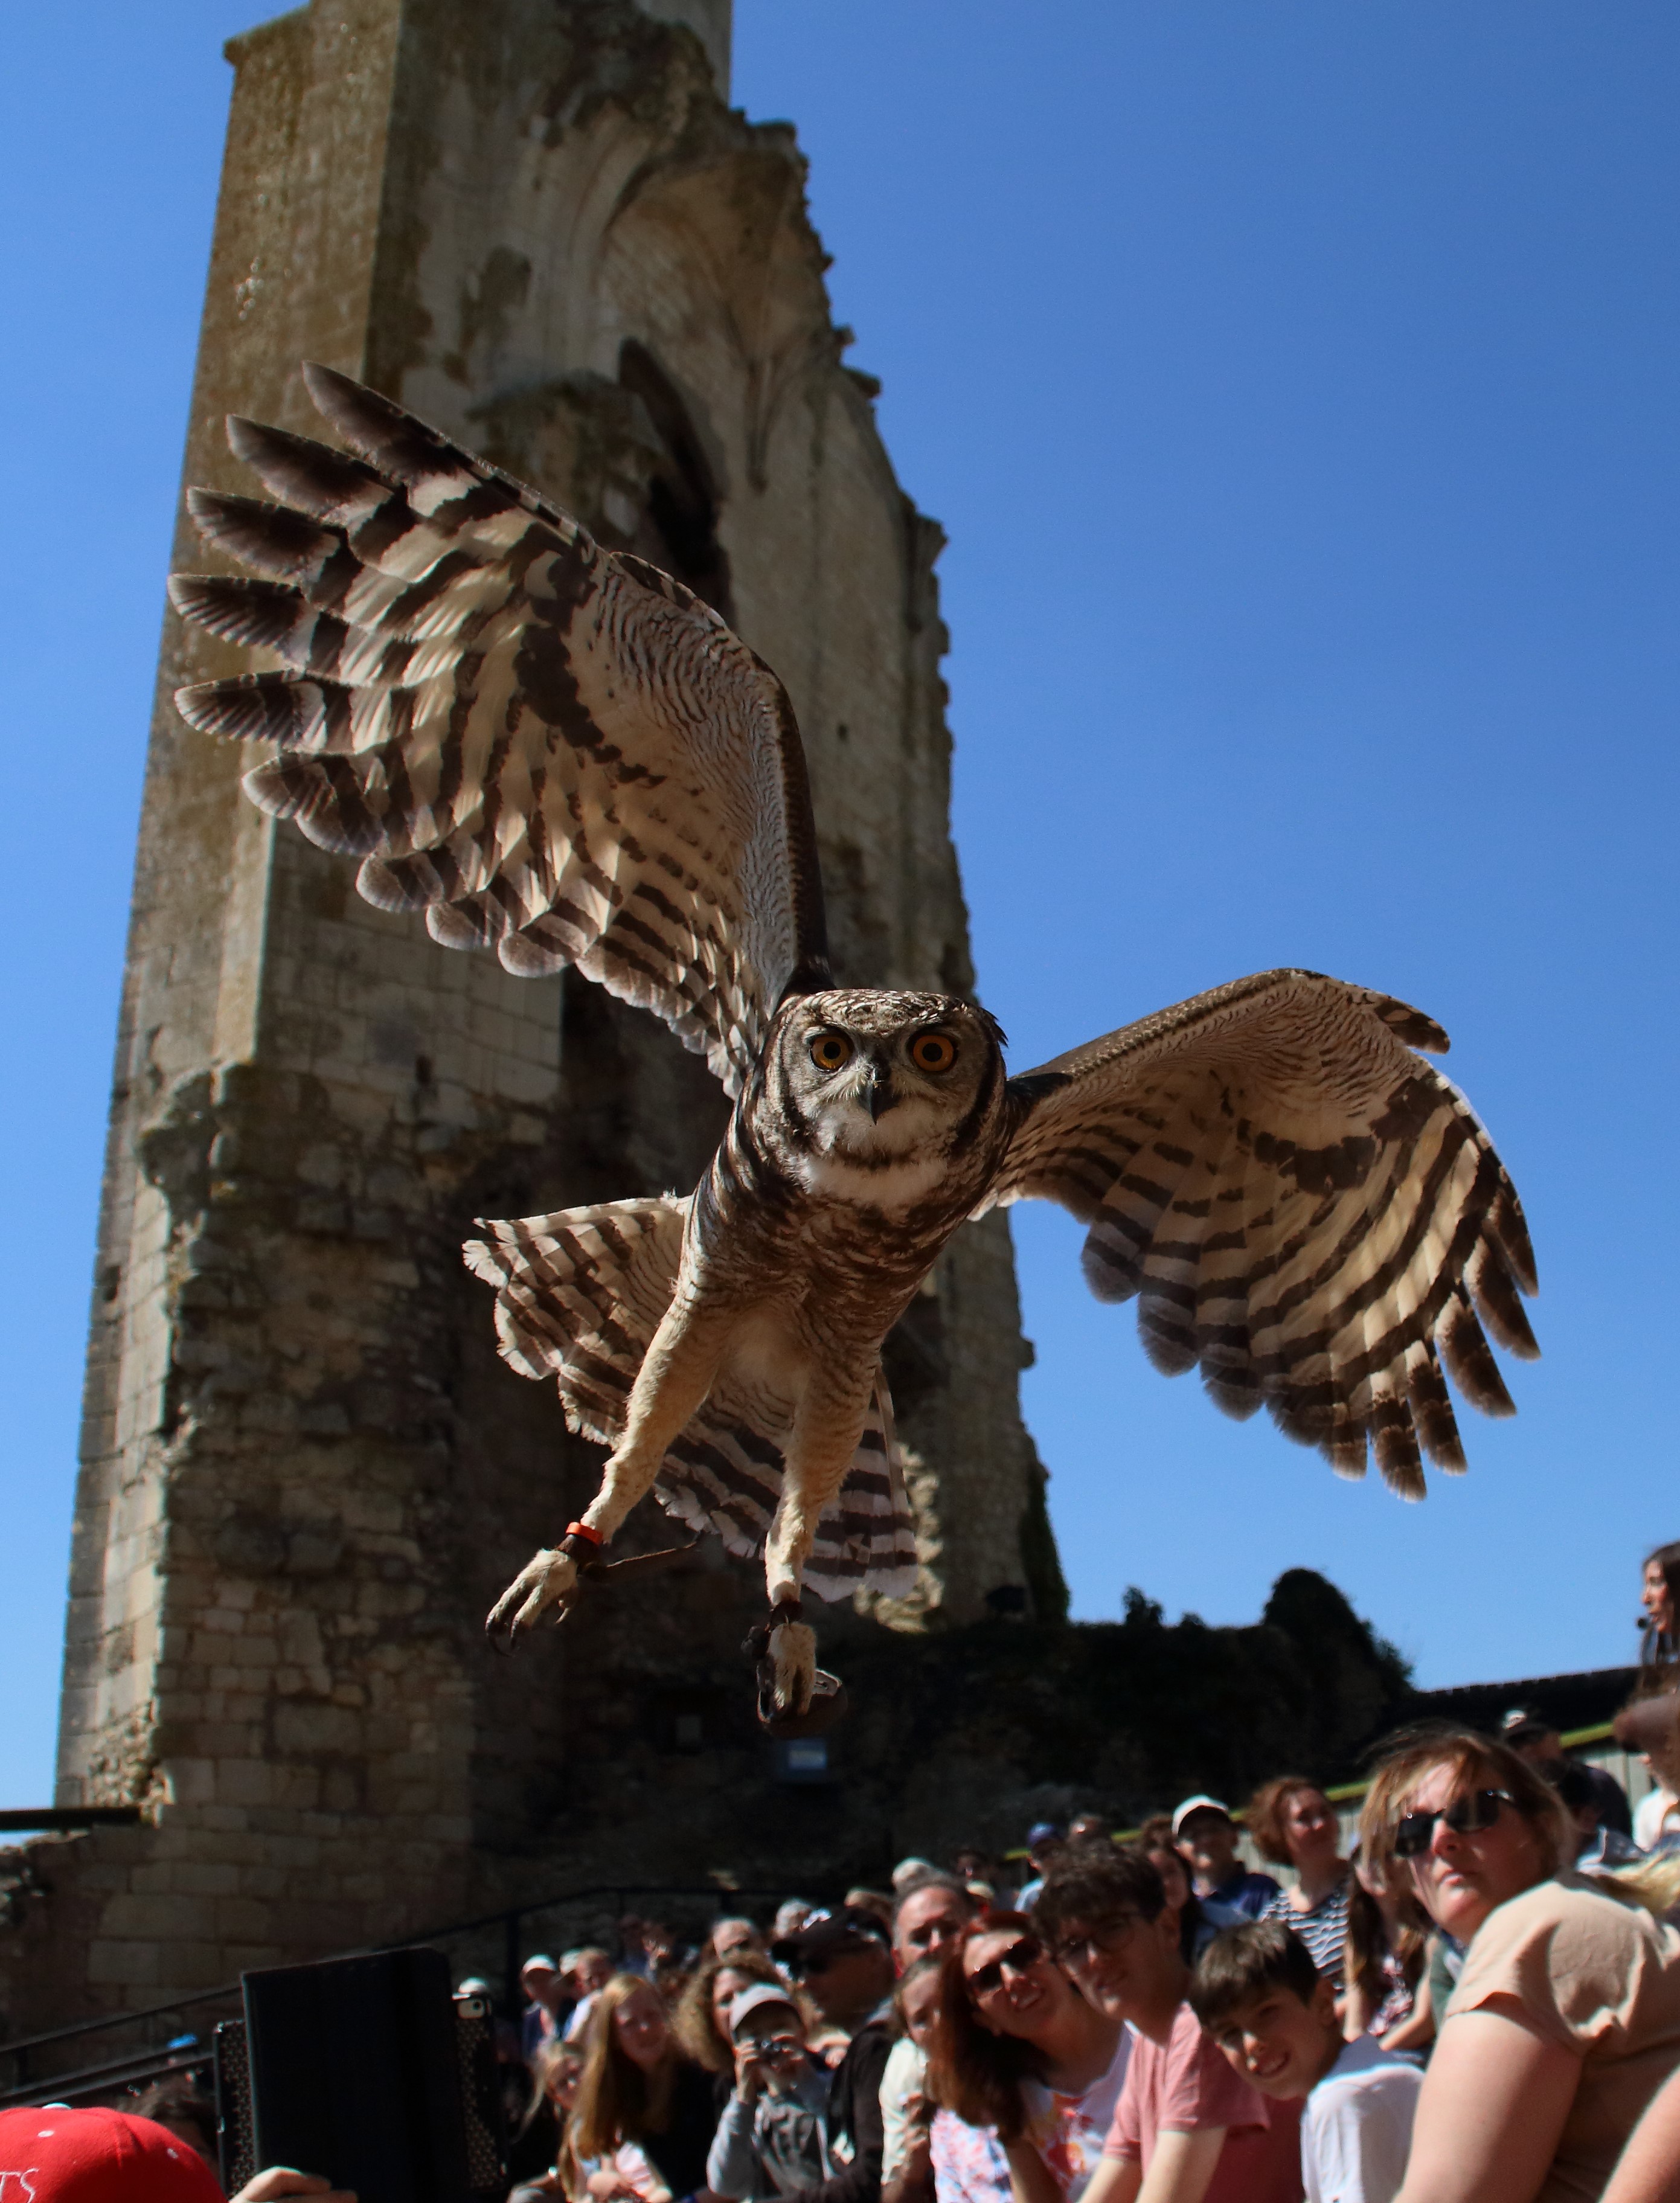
831	1050
932	1051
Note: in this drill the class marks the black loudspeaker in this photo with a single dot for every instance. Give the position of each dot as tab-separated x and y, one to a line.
366	2070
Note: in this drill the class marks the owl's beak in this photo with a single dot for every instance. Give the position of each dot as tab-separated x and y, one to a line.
876	1096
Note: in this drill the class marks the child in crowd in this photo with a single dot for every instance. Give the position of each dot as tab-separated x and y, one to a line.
962	2164
771	2139
1258	1995
1651	1726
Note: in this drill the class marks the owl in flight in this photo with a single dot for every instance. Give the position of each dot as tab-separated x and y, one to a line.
558	752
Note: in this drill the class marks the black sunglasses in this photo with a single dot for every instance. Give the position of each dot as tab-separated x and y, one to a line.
1024	1952
807	1966
1469	1816
1101	1937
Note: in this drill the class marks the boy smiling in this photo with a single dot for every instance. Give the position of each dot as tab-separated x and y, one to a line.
1258	1995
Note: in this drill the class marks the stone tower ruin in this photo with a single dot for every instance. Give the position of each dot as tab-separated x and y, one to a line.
306	1473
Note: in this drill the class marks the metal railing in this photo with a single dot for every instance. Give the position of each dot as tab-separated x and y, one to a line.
179	2055
63	1820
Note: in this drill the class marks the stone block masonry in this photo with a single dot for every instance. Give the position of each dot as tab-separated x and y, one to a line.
306	1473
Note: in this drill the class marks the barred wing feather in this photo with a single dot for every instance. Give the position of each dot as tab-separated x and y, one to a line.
1299	1204
579	1295
553	750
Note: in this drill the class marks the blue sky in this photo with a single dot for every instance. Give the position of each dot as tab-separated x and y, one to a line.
1296	385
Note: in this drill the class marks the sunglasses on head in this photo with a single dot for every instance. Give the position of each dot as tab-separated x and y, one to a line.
1026	1952
1469	1816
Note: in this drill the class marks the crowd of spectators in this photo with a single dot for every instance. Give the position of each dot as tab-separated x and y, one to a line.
1476	2004
1474	1997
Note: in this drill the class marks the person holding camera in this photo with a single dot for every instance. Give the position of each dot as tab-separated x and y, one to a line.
770	2140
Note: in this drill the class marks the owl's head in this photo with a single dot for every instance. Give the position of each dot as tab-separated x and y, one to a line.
873	1076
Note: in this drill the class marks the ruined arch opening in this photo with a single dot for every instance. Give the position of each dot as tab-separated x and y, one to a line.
680	527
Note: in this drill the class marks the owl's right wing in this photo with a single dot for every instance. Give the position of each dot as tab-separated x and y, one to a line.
1301	1205
550	748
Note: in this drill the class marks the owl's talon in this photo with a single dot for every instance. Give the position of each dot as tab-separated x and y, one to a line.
548	1578
795	1697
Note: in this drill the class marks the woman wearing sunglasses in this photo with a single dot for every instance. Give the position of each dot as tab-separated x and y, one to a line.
1016	2048
1566	2018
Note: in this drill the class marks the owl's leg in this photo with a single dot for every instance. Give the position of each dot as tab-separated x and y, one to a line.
795	1693
677	1373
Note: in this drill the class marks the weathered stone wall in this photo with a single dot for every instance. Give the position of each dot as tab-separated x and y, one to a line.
305	1472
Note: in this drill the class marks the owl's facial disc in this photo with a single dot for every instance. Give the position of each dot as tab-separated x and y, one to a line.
882	1078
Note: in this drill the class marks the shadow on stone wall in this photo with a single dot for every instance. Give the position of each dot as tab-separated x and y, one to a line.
960	1736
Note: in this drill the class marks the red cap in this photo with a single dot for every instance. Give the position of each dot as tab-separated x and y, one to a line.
60	2156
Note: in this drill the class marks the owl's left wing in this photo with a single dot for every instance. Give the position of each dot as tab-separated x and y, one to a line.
1299	1203
553	750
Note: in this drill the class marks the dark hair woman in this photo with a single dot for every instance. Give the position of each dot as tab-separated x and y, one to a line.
1016	2047
1294	1824
1659	1646
1565	2020
1387	1943
637	2087
1196	1930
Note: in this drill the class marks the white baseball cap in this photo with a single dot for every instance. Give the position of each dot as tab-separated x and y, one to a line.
754	1999
1199	1804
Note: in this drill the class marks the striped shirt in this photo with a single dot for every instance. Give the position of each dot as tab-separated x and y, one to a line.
1324	1929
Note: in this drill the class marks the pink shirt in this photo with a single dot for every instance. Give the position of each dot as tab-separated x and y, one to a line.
1184	2085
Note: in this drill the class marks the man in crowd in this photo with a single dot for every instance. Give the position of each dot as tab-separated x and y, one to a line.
843	1962
929	1913
1533	1739
981	1877
1204	1832
733	1932
589	1971
1045	1842
548	2002
1185	2122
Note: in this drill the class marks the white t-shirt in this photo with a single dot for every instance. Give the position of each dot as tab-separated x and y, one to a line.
1657	1814
1068	2132
905	2075
1356	2131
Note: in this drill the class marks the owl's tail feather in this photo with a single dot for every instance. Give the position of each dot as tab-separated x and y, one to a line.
579	1295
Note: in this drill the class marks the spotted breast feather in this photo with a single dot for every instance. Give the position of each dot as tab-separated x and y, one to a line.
579	1294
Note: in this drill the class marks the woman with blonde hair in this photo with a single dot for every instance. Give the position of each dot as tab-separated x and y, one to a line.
1565	2020
638	2089
556	2070
1294	1824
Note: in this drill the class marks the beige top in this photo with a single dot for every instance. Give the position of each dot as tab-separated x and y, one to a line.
1596	1973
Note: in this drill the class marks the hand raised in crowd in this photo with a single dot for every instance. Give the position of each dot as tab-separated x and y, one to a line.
912	2183
606	2185
277	2180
